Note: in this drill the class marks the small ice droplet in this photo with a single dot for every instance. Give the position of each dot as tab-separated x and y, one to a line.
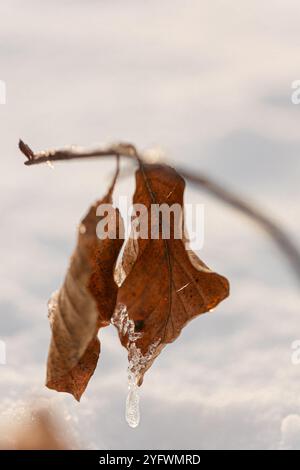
50	164
132	413
137	361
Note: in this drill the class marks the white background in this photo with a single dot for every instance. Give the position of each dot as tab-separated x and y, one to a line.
209	82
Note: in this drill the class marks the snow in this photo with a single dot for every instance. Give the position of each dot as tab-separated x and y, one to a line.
209	82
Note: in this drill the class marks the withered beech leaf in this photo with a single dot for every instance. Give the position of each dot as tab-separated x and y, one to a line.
164	284
84	303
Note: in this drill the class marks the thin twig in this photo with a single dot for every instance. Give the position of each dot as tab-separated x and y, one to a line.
273	229
121	149
278	234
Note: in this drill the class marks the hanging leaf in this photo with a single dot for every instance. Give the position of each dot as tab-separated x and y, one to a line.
157	288
165	285
85	303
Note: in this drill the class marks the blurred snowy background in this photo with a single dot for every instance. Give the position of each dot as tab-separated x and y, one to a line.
210	82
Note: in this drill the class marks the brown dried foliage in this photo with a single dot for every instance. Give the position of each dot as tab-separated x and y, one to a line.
164	286
85	303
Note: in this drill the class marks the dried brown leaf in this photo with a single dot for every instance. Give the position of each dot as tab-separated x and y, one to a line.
85	303
165	285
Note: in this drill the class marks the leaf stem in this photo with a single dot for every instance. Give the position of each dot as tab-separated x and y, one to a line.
273	229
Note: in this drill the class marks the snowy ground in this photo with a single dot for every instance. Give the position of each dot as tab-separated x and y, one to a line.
210	82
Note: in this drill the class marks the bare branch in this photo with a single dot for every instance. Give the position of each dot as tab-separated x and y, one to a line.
72	153
274	230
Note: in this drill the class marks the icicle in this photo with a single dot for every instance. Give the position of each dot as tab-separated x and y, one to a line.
137	362
132	413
